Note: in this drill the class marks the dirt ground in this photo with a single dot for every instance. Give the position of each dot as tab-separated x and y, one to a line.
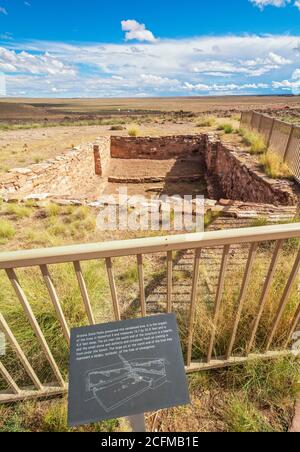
20	148
51	107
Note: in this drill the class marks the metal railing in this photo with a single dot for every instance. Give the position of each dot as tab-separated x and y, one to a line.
280	137
11	262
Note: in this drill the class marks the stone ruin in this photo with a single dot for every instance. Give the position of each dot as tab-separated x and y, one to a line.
230	179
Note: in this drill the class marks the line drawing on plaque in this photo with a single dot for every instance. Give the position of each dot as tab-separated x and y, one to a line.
115	385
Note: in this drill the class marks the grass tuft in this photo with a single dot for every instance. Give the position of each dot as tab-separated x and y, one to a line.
274	167
206	121
18	210
242	416
7	230
226	128
133	131
254	140
52	210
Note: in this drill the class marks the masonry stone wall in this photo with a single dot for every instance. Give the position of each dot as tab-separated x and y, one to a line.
156	148
102	156
240	177
69	174
83	171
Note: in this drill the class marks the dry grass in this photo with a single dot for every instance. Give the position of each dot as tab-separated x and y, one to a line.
274	167
7	230
206	121
227	128
232	400
254	140
133	131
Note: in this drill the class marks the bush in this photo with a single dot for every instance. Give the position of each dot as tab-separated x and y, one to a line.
133	132
81	213
18	210
52	210
274	167
115	128
206	122
7	230
227	128
254	140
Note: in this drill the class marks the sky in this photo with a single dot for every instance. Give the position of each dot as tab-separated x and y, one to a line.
130	48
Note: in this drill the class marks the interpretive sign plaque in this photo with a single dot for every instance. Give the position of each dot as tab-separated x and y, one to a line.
125	368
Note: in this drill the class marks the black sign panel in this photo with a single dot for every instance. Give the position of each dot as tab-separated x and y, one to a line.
125	368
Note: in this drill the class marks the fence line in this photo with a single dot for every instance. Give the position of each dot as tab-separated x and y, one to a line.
280	137
251	237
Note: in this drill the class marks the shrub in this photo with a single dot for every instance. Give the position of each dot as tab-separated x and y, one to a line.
7	230
58	229
133	132
18	210
38	159
81	213
254	140
227	128
52	210
115	128
274	167
206	122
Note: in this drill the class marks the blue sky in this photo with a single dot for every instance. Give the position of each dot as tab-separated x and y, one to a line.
160	48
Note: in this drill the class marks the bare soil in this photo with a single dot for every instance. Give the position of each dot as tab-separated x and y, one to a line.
60	107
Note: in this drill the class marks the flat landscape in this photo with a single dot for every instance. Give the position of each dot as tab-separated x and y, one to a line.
33	130
24	108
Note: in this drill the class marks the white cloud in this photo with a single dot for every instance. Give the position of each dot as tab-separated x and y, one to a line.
277	3
135	30
11	61
296	74
226	64
3	11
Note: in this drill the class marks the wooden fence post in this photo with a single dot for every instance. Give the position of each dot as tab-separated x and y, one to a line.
288	143
251	121
271	133
259	124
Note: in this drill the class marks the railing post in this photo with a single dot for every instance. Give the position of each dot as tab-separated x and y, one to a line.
169	281
193	305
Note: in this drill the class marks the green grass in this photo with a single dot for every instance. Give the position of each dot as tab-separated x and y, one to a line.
254	397
46	416
65	123
241	416
210	217
227	128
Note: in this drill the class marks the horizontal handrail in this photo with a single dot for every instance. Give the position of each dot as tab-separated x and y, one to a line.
149	245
